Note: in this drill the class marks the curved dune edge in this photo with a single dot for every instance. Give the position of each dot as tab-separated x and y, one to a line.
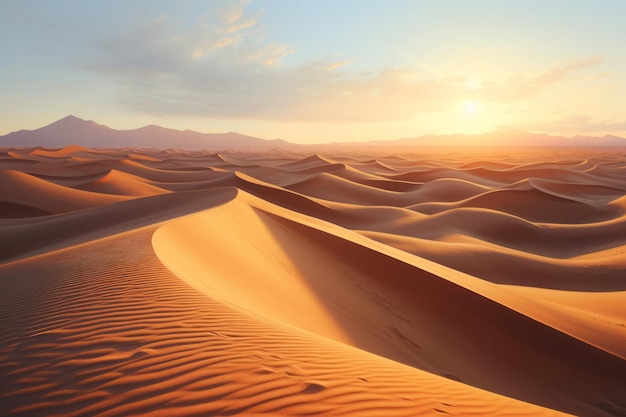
105	329
20	188
343	284
282	267
34	236
533	282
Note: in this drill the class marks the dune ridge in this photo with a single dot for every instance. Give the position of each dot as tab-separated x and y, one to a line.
151	282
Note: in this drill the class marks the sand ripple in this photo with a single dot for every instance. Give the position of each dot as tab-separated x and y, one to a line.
139	282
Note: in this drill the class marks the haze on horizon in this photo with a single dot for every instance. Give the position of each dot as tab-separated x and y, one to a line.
317	71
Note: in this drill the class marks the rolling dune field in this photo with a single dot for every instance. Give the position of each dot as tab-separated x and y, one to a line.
344	283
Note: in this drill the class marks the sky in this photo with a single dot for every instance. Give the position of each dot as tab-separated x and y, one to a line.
317	71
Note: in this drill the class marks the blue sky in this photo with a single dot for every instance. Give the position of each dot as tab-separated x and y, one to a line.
317	71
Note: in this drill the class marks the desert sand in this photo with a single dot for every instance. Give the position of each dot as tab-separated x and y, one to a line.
344	283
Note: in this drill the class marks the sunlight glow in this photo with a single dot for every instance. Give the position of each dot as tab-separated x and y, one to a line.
470	107
261	68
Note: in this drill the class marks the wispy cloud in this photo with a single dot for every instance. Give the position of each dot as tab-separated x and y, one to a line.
522	86
575	124
226	67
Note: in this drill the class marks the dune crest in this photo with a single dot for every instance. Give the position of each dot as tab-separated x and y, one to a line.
164	282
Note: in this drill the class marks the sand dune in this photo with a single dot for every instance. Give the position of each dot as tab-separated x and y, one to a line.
24	189
151	282
533	204
120	183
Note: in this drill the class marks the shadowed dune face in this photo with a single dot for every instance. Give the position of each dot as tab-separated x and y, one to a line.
190	283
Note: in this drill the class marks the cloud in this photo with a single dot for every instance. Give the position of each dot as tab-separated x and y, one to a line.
576	124
226	67
522	86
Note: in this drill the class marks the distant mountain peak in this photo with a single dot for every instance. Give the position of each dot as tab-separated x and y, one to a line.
70	118
71	121
72	130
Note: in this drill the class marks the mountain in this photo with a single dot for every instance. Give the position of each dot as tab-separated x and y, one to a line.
502	138
72	130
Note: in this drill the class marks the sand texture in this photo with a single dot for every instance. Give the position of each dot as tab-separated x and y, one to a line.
140	282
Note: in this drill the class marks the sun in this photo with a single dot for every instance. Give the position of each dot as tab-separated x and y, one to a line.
470	107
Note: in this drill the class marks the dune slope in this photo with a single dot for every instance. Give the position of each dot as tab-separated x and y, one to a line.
150	282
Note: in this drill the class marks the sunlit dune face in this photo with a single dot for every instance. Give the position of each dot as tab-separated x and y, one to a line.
470	107
336	291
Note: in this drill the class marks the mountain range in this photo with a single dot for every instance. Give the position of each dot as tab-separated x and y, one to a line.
72	130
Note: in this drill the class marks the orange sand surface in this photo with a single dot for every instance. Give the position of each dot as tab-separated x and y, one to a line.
172	283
